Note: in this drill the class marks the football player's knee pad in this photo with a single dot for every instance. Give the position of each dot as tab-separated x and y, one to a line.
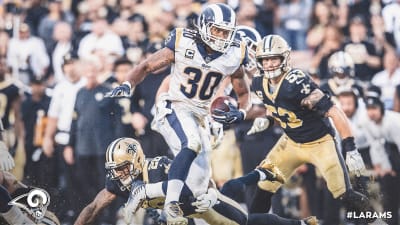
269	186
194	143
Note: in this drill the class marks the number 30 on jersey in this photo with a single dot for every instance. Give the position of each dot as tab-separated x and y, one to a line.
200	85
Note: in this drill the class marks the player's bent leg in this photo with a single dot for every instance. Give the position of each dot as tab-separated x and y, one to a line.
183	127
329	161
283	162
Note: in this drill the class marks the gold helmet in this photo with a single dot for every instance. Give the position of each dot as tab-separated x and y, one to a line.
272	46
124	160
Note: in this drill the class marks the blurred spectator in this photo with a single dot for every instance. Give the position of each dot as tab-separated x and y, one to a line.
100	38
341	71
58	170
91	131
35	11
332	42
246	13
355	112
34	116
4	43
265	19
156	7
158	30
10	102
361	50
126	8
321	16
27	53
186	12
294	20
123	115
382	128
378	35
136	40
62	34
47	23
391	17
388	79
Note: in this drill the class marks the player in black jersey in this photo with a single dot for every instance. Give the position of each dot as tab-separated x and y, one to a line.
303	111
143	181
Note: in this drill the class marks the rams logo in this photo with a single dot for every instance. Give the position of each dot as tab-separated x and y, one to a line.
33	203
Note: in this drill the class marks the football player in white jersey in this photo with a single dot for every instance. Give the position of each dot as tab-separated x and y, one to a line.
199	60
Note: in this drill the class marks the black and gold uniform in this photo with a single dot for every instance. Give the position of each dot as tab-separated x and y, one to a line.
308	134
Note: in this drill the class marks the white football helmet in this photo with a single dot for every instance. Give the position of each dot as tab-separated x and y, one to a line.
124	161
272	46
217	17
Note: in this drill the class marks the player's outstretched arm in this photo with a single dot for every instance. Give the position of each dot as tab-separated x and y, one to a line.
91	211
154	62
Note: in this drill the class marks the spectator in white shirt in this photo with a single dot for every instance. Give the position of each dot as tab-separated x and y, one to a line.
25	53
382	134
101	38
388	79
62	35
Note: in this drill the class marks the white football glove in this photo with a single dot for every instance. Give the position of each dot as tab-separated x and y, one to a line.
217	130
259	124
6	160
355	162
136	198
206	201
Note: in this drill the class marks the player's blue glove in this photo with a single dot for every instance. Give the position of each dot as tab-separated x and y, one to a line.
234	115
123	90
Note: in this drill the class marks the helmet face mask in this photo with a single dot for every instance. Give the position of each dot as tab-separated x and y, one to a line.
273	47
217	27
124	161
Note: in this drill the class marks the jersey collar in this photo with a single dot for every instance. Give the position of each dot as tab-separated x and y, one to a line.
207	57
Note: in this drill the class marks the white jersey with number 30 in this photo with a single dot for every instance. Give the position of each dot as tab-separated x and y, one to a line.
196	75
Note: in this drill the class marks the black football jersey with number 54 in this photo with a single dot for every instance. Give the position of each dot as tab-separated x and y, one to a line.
299	123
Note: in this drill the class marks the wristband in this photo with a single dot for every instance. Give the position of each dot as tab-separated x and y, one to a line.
348	144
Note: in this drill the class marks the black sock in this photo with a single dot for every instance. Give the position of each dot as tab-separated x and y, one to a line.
261	201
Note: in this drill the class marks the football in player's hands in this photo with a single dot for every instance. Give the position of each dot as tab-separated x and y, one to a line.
222	103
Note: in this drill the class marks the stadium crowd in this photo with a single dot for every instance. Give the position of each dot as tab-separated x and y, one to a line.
58	58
